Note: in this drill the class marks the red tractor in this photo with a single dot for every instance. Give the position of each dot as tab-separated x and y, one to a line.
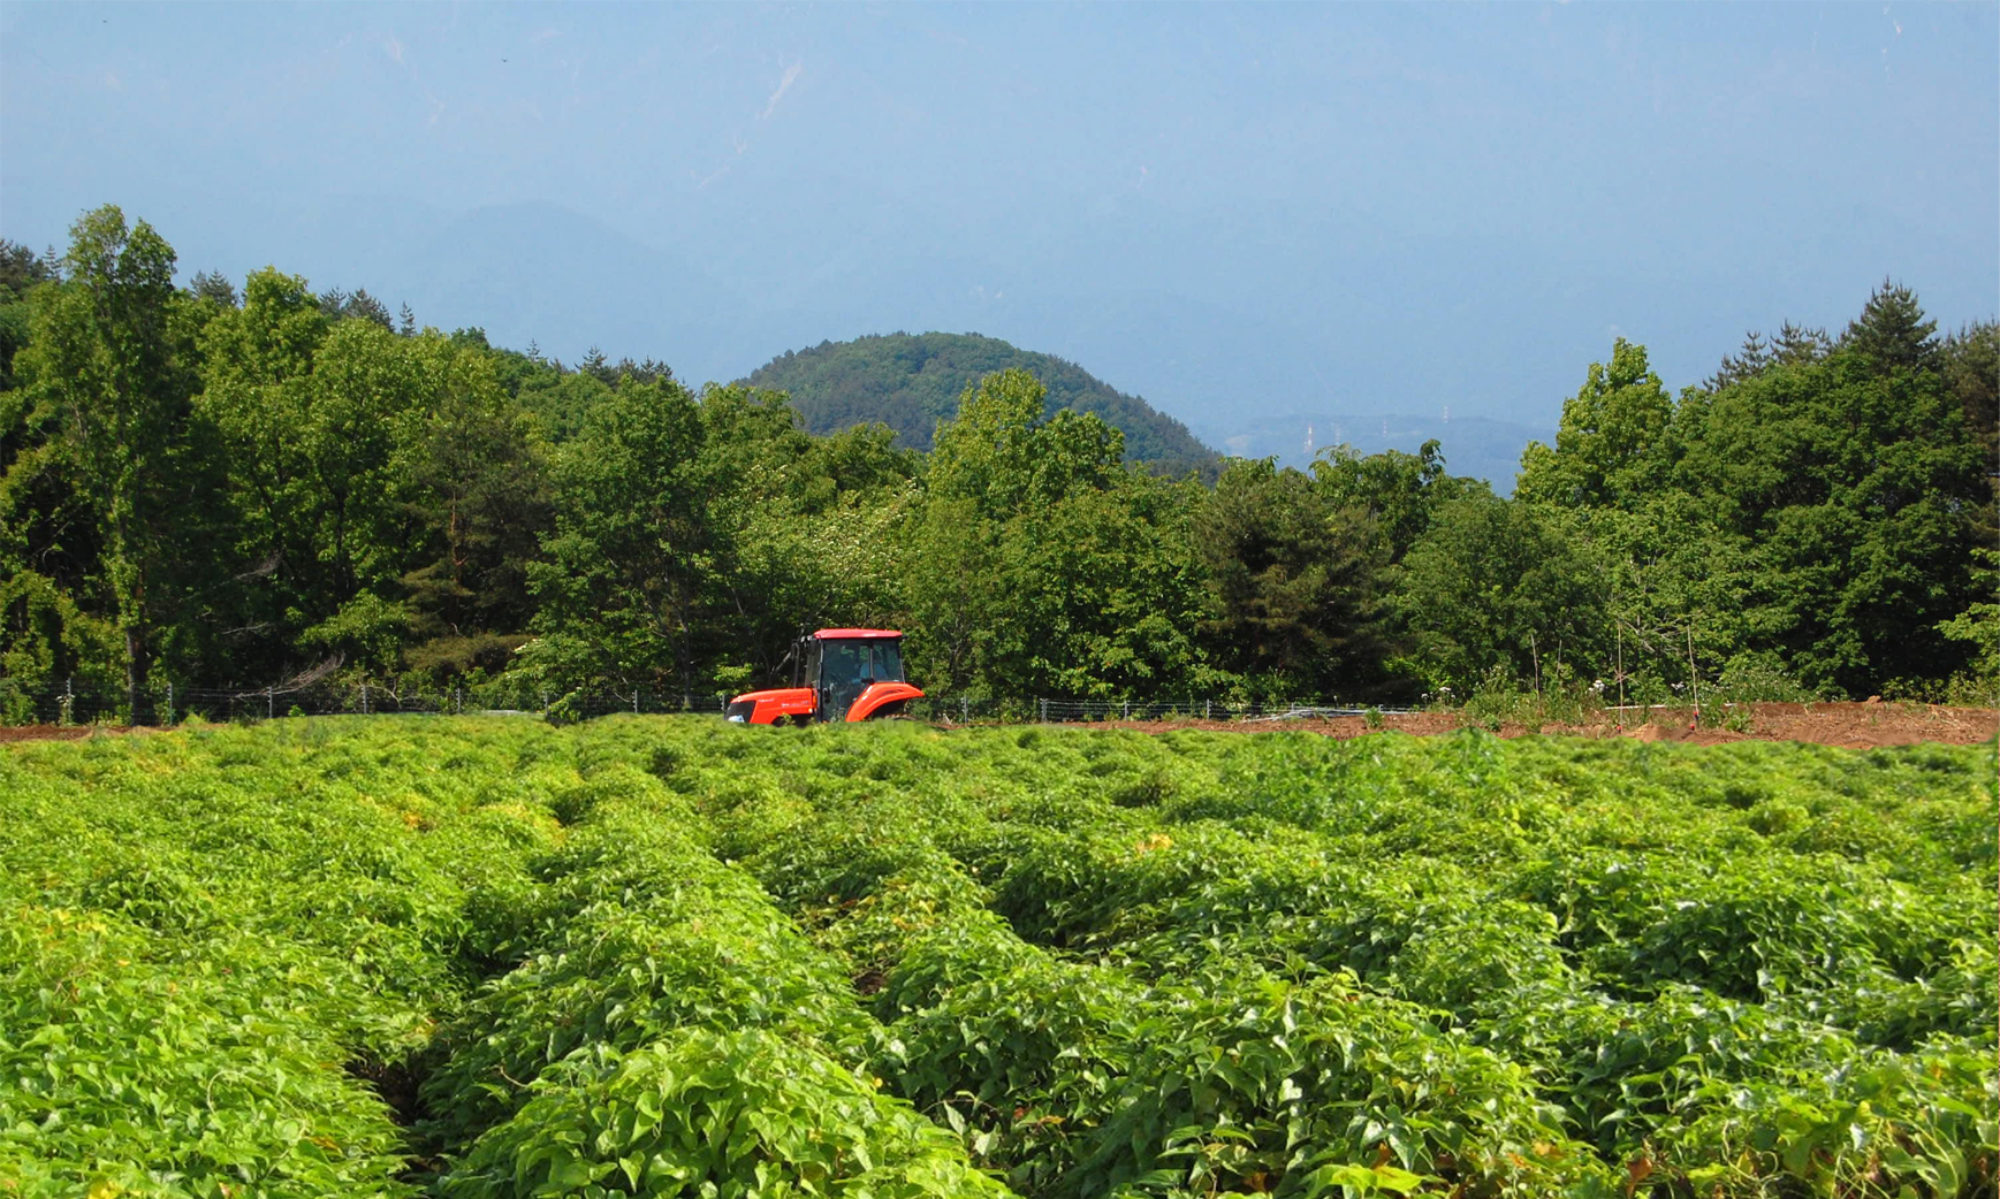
837	674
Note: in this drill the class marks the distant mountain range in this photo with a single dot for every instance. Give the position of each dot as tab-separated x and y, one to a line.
910	382
544	274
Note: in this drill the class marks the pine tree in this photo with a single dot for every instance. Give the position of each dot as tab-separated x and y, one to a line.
1746	363
214	285
1796	345
1892	333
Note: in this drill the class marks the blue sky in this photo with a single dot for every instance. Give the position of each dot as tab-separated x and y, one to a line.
1241	212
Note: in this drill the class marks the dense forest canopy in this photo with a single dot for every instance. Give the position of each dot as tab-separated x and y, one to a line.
911	382
240	486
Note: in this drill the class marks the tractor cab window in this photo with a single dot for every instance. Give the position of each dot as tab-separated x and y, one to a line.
887	662
842	670
843	663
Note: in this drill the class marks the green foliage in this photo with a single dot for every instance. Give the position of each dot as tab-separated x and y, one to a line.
1495	585
631	550
247	491
206	961
107	364
1812	510
1298	582
676	957
1401	491
1612	447
1046	566
21	272
717	1113
49	637
804	526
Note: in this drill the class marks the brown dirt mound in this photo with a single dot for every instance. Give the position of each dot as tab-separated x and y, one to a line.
1847	725
51	732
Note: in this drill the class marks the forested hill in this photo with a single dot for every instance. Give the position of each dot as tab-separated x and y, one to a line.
912	381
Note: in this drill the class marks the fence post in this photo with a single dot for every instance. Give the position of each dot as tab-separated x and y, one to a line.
457	701
271	702
1045	710
635	701
545	701
964	710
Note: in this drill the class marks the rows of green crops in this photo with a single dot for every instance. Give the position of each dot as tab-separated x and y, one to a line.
489	957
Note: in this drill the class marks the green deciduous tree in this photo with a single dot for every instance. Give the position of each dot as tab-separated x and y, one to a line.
1044	565
1612	447
310	414
106	363
802	526
384	490
621	586
1102	594
1502	585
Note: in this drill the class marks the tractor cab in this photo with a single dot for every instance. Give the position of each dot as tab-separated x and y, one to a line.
846	675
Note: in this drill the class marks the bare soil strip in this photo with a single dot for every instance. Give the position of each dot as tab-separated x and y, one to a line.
1846	725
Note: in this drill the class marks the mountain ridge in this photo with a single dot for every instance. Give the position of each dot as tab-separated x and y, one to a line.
911	381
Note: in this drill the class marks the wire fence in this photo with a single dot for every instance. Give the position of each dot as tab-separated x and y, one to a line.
72	704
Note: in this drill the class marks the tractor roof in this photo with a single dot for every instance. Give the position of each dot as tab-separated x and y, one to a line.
854	634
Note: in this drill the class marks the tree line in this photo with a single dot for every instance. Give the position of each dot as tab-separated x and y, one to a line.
247	488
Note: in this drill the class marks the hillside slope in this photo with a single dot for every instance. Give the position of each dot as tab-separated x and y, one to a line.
911	381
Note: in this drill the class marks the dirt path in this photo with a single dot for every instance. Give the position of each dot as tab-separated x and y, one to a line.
1847	725
52	732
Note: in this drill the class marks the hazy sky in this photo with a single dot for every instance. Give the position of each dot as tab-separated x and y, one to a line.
1233	210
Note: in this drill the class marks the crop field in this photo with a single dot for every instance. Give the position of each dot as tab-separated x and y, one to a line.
665	956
